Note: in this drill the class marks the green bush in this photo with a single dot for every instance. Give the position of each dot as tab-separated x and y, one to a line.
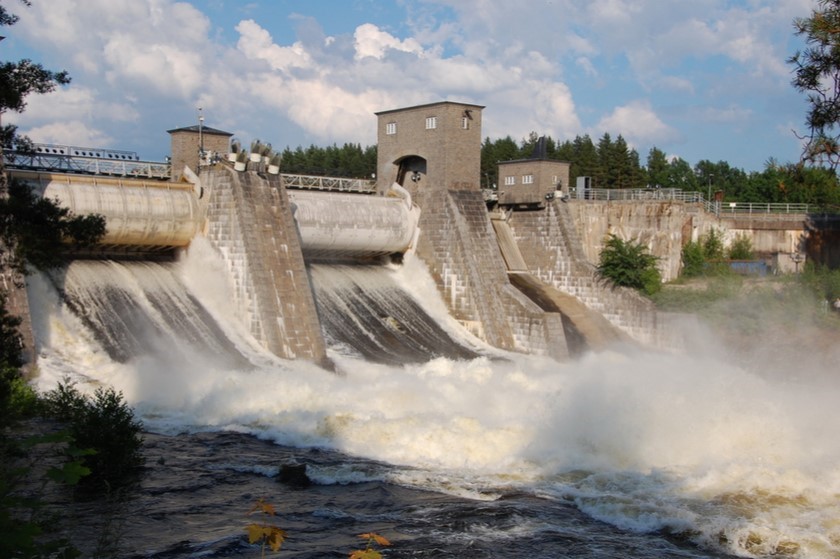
629	264
707	256
712	245
741	248
823	282
693	260
104	424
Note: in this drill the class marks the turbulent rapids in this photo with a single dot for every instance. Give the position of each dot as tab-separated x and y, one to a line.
460	451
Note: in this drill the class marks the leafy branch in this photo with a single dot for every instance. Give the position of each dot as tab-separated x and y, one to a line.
266	534
370	551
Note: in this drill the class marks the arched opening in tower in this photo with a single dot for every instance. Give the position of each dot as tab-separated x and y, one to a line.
411	171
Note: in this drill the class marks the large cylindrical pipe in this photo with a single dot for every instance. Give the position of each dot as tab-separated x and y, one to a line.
137	213
335	226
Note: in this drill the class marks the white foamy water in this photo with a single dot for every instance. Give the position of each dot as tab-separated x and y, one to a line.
645	441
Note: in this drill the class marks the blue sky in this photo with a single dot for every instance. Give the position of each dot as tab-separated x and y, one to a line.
699	79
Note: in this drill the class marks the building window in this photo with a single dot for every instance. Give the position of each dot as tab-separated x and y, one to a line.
527	179
391	128
465	123
431	122
509	181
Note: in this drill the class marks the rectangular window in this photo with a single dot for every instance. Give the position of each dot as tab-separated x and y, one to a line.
431	123
527	179
465	123
391	128
509	181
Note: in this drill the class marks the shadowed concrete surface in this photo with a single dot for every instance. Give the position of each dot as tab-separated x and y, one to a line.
585	329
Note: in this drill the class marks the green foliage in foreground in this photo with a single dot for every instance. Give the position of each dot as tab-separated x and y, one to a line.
629	264
29	531
33	229
103	423
823	282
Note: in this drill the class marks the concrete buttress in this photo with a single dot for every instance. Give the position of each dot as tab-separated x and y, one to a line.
250	222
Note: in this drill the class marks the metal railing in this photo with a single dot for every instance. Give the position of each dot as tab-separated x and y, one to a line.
635	194
740	209
332	184
763	208
89	161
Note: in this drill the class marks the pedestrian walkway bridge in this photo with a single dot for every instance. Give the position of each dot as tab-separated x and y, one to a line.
55	158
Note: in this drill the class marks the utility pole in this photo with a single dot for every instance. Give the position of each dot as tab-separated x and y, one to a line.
200	139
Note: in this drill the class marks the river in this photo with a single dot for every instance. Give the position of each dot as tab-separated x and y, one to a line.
470	452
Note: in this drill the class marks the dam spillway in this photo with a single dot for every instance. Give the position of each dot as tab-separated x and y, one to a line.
262	231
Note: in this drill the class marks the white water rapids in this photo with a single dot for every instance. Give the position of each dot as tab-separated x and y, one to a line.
645	441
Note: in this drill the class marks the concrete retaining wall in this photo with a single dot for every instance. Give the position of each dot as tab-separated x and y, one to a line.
554	252
666	226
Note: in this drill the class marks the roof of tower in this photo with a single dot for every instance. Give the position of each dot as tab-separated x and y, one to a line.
429	105
203	130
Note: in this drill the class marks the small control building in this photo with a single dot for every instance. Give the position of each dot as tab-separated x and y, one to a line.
532	182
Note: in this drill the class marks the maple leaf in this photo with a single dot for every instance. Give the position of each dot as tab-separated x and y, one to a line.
276	538
365	554
375	537
256	533
263	507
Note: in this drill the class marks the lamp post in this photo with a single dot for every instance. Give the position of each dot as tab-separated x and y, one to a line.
709	195
200	137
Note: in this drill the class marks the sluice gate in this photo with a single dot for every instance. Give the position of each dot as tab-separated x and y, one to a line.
157	216
142	216
335	226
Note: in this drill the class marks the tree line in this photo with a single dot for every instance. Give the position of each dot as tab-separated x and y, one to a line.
350	160
611	163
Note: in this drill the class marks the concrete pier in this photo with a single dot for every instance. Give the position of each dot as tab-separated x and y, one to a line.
250	222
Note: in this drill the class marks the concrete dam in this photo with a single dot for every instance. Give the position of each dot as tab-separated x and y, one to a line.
310	269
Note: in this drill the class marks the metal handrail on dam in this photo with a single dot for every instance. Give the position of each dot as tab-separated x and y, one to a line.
634	194
334	184
679	195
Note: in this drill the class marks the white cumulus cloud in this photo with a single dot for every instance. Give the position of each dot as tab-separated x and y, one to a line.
638	123
372	41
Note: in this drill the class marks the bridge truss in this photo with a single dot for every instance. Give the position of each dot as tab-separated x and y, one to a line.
87	161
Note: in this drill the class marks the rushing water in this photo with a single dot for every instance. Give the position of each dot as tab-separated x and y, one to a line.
624	453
